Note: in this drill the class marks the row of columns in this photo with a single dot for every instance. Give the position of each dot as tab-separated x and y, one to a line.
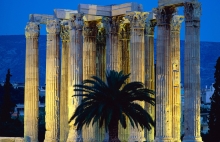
128	47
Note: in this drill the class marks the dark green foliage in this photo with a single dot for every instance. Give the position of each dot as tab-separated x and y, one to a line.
9	127
7	106
111	102
214	114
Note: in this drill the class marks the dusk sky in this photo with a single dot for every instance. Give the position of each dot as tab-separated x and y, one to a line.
14	14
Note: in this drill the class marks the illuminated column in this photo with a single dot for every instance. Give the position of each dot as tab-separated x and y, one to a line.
64	128
137	24
176	86
124	35
31	109
100	52
89	68
52	81
75	72
164	76
113	52
192	14
149	71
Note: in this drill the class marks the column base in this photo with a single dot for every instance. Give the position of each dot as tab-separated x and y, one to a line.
51	140
163	139
74	136
192	139
137	140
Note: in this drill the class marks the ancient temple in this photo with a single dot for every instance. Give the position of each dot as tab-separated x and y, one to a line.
117	37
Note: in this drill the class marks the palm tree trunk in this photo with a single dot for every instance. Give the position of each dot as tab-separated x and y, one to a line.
113	131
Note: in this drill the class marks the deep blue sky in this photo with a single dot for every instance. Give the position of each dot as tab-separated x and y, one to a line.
14	14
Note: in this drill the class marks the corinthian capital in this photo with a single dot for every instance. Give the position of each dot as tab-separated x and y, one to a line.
112	24
89	28
76	21
64	32
192	11
32	30
101	39
53	26
176	22
164	15
149	27
137	19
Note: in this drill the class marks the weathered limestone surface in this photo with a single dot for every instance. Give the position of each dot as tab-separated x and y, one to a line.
12	139
122	9
164	76
113	51
176	86
31	83
149	71
173	2
40	18
64	128
192	14
64	13
137	24
75	70
89	69
52	82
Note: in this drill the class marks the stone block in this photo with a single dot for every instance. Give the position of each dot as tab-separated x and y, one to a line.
123	8
173	2
40	18
94	9
11	139
91	18
64	13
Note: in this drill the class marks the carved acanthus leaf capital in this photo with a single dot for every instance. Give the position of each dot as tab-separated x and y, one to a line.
64	33
76	21
32	30
124	31
101	38
176	22
53	26
192	11
164	15
149	27
89	28
137	19
111	24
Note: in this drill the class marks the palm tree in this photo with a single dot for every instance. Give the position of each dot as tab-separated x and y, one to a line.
111	102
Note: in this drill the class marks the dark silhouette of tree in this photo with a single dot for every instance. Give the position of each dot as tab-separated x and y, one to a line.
112	102
214	114
7	107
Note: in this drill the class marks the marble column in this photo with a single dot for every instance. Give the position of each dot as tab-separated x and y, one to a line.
137	24
75	72
176	86
113	52
124	37
149	71
89	68
64	128
52	81
100	52
31	109
192	12
164	76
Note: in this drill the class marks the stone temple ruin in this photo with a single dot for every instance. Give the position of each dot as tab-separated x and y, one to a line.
120	37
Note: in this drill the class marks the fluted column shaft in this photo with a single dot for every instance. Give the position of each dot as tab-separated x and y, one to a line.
89	68
164	76
100	53
137	24
124	36
192	14
176	86
31	109
52	81
113	52
75	72
149	72
64	83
